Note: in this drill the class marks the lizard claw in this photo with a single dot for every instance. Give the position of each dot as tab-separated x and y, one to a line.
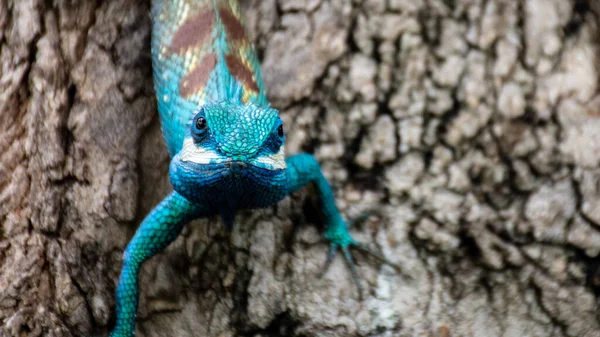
353	270
341	239
330	256
349	260
378	256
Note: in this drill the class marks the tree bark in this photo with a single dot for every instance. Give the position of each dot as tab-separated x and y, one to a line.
470	129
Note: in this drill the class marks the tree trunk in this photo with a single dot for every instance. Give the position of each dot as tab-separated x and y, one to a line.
469	128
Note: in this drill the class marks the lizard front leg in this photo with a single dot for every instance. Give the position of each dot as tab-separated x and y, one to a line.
155	233
303	169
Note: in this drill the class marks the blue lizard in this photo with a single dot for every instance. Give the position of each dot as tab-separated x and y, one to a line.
225	141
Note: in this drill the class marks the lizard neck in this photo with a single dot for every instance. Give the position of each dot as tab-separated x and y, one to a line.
236	72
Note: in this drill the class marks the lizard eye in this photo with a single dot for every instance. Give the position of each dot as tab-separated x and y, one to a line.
200	123
199	126
276	138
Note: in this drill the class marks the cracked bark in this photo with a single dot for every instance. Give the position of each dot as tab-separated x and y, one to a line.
471	127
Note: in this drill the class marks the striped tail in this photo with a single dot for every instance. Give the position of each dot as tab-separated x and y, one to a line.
200	53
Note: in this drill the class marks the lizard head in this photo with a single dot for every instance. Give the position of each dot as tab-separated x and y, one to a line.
225	132
232	147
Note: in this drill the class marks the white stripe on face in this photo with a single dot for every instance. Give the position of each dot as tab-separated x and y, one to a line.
198	155
192	153
275	161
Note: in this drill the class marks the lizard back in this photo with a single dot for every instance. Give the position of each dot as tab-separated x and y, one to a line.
200	53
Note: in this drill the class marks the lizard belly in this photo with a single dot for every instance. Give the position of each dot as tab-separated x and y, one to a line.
229	186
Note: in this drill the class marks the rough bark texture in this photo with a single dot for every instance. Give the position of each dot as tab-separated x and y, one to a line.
472	127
